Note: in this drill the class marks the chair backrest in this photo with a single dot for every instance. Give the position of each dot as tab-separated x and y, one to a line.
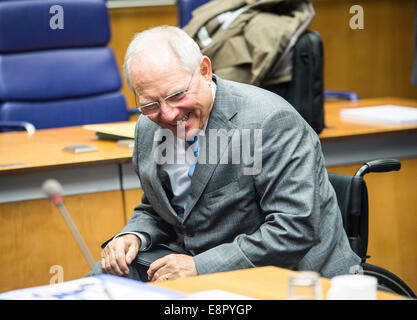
305	91
185	9
55	67
352	198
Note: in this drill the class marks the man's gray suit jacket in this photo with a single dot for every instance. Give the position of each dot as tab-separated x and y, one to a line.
285	215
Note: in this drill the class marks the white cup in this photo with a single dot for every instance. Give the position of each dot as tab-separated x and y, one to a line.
352	287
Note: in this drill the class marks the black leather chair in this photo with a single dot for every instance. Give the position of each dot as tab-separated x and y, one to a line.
352	197
305	91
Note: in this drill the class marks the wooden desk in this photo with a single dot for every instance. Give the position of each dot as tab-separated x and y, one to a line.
266	283
338	128
35	237
43	151
347	141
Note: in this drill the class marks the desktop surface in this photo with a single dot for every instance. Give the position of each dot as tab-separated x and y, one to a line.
339	128
266	283
21	153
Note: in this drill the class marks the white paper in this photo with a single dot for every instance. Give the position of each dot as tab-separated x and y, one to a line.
388	114
216	295
104	287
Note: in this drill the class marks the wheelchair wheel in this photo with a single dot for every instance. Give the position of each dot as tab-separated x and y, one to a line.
387	280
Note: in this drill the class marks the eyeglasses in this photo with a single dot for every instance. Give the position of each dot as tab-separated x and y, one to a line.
172	100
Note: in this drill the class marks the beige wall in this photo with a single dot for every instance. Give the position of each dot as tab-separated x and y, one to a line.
124	23
374	62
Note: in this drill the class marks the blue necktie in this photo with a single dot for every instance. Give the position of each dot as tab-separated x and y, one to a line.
196	148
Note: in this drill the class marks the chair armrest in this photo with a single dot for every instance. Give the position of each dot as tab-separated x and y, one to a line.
380	165
340	94
28	127
133	111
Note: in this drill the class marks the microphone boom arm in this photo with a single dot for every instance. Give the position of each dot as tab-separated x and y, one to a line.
76	234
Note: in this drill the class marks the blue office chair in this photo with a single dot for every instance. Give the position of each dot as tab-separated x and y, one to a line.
185	8
55	67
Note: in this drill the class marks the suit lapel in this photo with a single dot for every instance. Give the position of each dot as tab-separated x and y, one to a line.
150	167
223	110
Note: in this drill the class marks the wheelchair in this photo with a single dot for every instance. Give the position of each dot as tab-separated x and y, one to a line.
352	197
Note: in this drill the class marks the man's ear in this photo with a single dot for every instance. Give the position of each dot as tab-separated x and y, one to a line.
205	68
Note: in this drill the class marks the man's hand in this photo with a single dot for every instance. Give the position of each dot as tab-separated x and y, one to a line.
119	253
172	266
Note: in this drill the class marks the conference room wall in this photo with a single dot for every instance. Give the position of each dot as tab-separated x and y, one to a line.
374	62
126	22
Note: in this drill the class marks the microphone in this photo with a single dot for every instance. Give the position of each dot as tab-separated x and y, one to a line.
53	190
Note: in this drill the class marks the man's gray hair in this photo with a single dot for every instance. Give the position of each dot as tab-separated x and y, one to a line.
183	45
